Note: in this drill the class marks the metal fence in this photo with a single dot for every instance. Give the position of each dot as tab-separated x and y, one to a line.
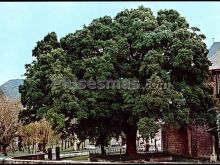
119	151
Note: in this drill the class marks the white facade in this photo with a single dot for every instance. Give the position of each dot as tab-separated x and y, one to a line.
151	142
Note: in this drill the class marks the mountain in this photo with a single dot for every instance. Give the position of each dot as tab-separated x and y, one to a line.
10	88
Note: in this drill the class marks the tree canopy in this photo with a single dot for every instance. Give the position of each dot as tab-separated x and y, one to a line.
162	51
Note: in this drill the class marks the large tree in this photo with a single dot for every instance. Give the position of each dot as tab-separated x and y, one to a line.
135	45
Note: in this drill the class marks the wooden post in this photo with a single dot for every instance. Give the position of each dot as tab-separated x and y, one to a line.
57	153
65	144
50	153
68	143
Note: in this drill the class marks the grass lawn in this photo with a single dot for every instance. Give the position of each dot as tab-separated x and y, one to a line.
67	149
77	158
17	153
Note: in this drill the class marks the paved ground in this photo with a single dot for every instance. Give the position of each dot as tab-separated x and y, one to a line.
12	161
86	152
69	154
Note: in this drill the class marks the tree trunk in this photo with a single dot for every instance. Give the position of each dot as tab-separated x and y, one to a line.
4	151
12	147
103	150
20	143
102	144
65	144
138	141
123	141
44	147
62	144
40	146
83	144
28	144
68	143
78	145
29	149
147	146
33	145
131	133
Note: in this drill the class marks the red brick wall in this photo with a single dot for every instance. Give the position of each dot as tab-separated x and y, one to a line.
194	141
176	141
204	141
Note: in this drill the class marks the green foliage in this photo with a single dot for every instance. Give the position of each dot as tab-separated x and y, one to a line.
147	127
135	45
36	90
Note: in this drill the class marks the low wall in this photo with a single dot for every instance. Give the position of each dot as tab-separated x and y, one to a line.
123	157
17	161
14	161
149	157
31	157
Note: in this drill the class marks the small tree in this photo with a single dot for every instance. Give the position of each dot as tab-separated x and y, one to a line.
9	111
38	132
45	133
28	133
148	128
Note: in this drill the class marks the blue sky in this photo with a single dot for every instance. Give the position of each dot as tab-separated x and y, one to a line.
22	24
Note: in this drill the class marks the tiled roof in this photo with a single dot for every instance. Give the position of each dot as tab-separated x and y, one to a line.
215	60
214	49
214	56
